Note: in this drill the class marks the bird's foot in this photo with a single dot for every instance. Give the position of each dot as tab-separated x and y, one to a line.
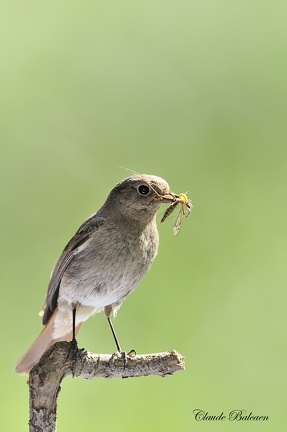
72	355
122	357
132	353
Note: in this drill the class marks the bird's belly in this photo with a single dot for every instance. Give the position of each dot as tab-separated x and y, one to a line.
98	280
89	294
97	290
95	279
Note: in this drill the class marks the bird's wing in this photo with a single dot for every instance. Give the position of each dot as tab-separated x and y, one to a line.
72	248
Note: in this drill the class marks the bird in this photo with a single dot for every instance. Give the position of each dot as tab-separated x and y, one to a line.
102	263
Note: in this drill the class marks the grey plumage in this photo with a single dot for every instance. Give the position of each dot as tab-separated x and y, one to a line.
103	262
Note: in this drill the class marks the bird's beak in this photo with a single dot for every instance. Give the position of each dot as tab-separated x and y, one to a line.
168	198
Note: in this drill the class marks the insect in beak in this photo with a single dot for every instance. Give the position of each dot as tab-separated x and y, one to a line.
185	209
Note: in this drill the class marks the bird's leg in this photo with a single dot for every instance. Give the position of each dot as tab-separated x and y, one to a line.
108	312
74	325
73	351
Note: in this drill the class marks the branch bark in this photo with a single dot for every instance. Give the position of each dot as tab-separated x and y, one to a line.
57	362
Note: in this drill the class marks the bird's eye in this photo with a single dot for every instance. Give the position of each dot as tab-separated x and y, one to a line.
143	190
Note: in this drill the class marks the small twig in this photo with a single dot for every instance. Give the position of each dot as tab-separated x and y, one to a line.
46	376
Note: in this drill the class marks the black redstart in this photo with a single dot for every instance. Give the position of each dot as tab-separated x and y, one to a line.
103	263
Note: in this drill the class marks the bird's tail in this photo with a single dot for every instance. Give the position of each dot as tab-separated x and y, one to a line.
40	345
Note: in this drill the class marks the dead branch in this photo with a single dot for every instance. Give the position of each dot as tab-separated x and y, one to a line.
46	376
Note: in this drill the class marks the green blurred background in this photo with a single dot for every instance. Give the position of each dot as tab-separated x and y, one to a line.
192	91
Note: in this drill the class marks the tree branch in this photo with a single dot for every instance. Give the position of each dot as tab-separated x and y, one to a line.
61	360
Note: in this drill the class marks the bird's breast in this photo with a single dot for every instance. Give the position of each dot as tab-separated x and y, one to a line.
109	267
